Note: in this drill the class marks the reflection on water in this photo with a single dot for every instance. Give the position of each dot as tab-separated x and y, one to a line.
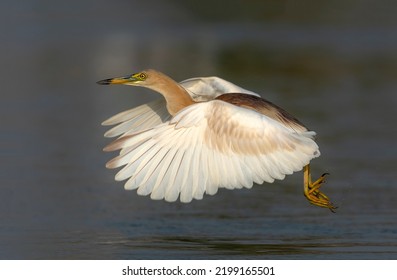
337	76
248	249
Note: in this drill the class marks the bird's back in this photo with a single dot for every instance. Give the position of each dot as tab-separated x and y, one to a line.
264	107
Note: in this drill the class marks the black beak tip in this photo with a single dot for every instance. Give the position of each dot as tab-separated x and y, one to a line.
104	82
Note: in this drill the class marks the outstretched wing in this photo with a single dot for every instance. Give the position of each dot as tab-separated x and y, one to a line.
207	146
139	118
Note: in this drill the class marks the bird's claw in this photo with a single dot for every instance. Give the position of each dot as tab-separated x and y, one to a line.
314	195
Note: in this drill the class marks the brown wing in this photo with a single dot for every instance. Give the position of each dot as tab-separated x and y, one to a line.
264	107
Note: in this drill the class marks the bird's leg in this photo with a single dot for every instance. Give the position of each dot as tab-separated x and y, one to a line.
312	190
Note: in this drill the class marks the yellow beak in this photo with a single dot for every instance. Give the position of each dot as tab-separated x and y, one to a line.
120	80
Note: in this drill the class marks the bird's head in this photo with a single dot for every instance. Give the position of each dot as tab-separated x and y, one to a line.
176	96
144	79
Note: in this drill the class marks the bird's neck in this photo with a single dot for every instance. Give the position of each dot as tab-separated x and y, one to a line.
175	95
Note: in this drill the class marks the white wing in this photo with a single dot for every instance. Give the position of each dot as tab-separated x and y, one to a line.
208	88
207	146
140	118
154	113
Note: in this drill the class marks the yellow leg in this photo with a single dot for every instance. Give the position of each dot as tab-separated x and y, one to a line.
312	190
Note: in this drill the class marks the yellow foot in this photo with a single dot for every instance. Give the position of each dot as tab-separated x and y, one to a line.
312	190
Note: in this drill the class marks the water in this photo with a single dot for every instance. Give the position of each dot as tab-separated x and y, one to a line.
335	70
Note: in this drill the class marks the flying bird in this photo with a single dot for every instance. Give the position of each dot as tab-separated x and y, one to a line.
205	134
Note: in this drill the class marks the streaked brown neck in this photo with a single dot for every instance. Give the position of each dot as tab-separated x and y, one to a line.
176	96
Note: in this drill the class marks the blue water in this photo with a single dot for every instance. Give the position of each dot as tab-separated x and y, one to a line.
334	69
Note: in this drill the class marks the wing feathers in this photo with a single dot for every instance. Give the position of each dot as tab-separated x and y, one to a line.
153	106
204	147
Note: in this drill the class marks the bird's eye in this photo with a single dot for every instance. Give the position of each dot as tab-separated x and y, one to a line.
142	76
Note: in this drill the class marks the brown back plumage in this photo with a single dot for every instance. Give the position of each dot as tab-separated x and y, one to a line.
264	107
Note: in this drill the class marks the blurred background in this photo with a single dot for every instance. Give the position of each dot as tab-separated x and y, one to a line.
332	64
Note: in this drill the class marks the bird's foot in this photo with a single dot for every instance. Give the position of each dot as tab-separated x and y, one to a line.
312	190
